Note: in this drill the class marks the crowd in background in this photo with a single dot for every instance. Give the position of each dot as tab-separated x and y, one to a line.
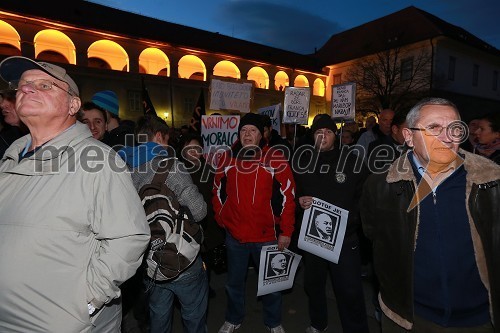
264	206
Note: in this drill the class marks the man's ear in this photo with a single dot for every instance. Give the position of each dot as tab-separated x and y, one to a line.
394	129
160	138
408	135
74	105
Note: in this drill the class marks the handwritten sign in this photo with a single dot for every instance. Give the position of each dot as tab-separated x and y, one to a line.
343	101
273	112
296	109
218	133
227	95
277	269
323	230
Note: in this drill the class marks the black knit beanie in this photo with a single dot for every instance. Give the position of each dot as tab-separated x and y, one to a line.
252	119
324	122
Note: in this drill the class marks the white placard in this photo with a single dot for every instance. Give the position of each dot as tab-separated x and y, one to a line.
323	230
227	95
218	134
296	108
273	112
344	101
277	269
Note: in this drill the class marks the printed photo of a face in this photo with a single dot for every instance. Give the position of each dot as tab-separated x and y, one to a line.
278	263
321	225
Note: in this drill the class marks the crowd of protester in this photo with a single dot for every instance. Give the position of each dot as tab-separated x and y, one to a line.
397	177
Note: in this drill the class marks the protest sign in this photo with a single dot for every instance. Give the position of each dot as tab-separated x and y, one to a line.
323	230
218	134
277	269
344	101
296	108
229	95
273	112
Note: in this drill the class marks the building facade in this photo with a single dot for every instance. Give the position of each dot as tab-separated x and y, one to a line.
414	54
173	60
429	57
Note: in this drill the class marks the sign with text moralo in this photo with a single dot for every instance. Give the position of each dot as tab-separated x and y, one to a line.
343	101
296	108
230	95
218	134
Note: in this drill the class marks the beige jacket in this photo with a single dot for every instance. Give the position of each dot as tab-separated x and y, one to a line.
72	229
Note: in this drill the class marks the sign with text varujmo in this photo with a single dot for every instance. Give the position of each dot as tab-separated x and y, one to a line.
218	134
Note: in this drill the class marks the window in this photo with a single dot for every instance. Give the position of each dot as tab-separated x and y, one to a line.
134	101
451	68
406	69
337	79
475	75
188	105
495	81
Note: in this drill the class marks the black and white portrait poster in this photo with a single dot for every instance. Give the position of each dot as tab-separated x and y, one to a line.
323	230
277	269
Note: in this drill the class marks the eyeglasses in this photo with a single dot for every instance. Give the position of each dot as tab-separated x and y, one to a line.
456	130
39	84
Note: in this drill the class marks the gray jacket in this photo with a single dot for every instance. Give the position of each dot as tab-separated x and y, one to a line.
72	229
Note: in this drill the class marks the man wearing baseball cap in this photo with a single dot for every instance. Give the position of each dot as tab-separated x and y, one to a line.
73	228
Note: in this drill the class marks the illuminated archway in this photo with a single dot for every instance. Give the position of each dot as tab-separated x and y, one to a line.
301	81
10	41
154	61
319	87
192	67
259	76
53	45
110	53
227	68
281	81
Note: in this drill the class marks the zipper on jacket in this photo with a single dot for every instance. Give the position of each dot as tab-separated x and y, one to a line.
434	197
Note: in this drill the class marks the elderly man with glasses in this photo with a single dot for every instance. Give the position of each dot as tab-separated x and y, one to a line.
73	227
434	219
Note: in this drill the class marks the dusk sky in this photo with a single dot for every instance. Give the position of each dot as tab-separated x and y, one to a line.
303	25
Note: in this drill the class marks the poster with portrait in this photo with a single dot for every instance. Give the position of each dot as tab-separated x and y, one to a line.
277	269
323	230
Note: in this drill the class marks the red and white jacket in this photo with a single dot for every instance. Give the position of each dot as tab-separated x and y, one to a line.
251	196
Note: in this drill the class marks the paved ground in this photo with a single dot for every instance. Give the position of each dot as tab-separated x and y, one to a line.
295	316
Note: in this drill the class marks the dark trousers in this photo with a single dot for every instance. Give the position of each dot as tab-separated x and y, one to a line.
423	326
347	286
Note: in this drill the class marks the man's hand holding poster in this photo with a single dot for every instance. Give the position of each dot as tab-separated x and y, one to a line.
277	269
323	230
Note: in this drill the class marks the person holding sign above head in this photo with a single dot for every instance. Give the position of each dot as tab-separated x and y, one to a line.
253	190
323	172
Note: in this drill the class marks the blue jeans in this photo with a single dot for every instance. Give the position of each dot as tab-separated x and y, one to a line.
237	268
191	288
